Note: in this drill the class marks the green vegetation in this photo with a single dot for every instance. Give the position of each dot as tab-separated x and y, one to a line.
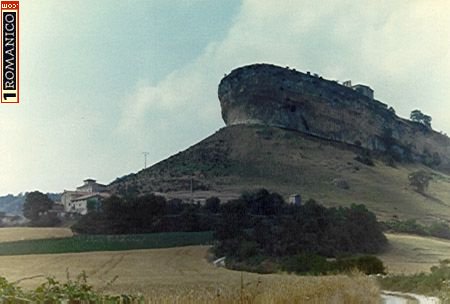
435	283
83	243
53	291
314	264
36	208
260	232
146	214
436	229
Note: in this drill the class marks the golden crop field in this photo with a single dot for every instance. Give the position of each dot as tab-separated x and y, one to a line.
412	254
32	233
183	275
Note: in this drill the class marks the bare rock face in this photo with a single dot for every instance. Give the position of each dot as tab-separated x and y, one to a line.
282	97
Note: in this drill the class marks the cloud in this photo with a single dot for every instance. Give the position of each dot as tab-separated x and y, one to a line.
399	48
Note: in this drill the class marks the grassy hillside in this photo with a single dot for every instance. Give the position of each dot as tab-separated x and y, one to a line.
413	254
240	158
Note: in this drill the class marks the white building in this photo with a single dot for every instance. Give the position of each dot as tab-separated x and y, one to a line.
295	199
86	197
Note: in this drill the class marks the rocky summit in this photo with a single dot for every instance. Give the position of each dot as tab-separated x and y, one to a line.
282	97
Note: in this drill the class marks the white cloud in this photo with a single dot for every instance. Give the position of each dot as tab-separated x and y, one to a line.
399	48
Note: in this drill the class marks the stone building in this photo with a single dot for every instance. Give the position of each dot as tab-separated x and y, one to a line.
87	196
364	90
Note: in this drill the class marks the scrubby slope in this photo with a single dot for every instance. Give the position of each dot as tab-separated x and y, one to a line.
243	157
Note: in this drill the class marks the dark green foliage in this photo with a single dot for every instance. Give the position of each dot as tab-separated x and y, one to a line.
248	228
46	220
367	264
85	243
53	291
212	204
92	205
434	283
440	230
436	229
306	264
407	226
144	214
262	202
315	264
36	207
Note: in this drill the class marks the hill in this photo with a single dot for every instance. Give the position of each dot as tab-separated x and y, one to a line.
291	132
13	204
246	157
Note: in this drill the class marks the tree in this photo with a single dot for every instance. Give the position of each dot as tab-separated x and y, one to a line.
212	204
36	205
418	116
420	180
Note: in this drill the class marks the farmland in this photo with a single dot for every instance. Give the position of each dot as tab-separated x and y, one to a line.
26	233
185	275
87	243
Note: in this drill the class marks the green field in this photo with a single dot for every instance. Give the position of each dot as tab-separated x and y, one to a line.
85	243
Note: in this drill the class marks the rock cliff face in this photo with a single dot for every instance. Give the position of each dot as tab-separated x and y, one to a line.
282	97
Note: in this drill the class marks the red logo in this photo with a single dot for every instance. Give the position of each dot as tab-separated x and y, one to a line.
9	85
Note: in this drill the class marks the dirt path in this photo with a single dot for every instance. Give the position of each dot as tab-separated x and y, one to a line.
390	297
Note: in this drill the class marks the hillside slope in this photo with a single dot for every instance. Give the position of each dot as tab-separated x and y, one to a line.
246	157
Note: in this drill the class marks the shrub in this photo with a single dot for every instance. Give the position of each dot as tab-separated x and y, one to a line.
367	264
305	264
53	291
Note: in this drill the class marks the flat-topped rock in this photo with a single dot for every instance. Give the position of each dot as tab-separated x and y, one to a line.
282	97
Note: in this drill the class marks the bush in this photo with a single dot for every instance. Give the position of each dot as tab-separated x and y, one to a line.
436	229
315	264
53	291
367	264
408	226
434	283
306	264
441	230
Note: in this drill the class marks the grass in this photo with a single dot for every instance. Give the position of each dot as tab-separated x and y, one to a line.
290	162
409	254
11	234
87	243
183	275
435	283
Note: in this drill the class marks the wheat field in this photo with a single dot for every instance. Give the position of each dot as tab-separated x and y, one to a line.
32	233
183	275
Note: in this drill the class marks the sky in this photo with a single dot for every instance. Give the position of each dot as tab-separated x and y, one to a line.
103	81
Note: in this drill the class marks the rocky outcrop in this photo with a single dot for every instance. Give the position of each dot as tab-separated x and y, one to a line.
282	97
